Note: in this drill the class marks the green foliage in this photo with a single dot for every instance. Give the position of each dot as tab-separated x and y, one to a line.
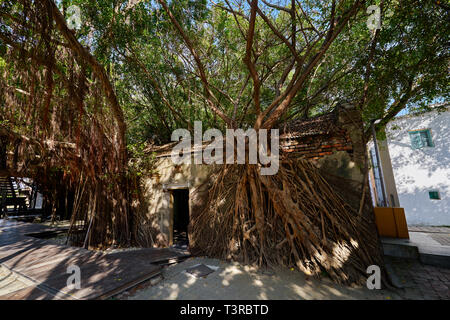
141	161
407	71
152	68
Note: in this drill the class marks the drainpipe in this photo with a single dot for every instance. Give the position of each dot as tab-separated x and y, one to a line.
384	203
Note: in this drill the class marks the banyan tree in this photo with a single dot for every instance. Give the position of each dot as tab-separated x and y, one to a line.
61	123
294	217
64	125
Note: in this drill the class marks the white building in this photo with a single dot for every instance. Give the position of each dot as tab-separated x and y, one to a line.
419	149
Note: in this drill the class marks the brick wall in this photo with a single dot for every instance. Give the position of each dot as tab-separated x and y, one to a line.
316	146
322	136
335	143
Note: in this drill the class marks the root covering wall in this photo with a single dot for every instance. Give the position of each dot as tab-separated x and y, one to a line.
334	145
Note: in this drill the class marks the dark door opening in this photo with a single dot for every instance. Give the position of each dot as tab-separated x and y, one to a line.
180	218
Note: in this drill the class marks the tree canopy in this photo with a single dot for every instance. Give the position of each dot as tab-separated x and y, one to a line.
86	84
161	86
229	63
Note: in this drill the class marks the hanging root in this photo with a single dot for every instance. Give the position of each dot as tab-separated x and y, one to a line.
293	218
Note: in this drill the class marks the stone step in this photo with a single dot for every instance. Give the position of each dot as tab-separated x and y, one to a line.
400	248
438	256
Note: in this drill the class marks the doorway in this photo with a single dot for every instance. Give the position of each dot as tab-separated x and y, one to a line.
180	218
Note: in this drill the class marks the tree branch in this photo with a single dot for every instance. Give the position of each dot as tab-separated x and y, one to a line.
212	100
248	60
101	74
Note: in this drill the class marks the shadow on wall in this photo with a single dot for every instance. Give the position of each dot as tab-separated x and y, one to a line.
418	171
421	210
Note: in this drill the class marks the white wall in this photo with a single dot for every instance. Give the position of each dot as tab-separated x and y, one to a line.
418	171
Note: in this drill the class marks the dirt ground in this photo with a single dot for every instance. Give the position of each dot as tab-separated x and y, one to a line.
234	281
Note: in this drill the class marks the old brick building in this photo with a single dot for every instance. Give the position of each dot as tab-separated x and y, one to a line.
333	141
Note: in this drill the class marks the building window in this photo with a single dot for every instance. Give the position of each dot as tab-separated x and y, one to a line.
434	195
377	179
420	139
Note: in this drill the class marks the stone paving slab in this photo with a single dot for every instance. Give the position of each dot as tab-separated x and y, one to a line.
421	281
10	282
441	235
46	265
28	293
442	238
429	229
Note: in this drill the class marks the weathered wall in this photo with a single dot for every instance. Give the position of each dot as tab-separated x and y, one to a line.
338	150
157	191
344	169
317	146
418	171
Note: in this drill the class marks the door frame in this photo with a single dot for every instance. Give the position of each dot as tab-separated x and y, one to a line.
169	188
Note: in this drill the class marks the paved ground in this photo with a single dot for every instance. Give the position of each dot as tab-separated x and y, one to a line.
420	281
436	235
11	282
431	240
235	282
429	229
47	266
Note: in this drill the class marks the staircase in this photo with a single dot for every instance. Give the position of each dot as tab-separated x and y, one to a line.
7	187
9	196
